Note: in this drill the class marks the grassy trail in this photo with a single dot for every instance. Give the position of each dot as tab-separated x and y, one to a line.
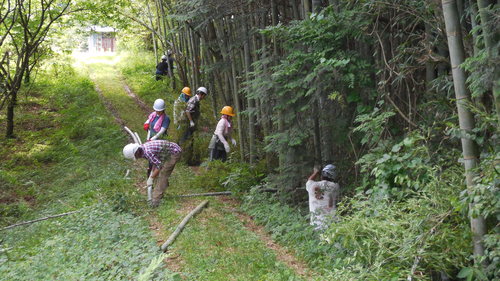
218	244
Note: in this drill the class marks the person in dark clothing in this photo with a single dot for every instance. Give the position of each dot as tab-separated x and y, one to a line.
167	62
188	125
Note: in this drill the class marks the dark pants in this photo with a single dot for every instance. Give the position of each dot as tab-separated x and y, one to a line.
188	132
217	154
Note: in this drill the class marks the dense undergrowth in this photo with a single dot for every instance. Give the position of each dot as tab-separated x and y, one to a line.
409	219
67	156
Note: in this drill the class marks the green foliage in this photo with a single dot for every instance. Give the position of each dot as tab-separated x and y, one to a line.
233	176
317	78
372	125
405	167
376	239
93	244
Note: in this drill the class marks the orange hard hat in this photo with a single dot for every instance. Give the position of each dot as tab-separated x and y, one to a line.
187	91
227	110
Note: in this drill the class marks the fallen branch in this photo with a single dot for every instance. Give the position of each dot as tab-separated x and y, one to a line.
206	194
181	226
37	220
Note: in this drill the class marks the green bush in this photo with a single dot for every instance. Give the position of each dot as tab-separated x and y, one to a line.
377	239
222	176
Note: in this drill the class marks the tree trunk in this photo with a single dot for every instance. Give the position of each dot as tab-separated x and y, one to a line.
251	101
465	117
430	72
10	114
316	6
490	43
307	7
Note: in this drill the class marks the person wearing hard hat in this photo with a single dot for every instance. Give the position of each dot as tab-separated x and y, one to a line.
192	112
323	196
219	147
180	104
157	123
164	155
166	64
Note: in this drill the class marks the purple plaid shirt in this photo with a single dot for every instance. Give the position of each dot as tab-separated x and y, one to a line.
158	151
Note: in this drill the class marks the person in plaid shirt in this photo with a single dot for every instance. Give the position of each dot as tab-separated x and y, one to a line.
163	155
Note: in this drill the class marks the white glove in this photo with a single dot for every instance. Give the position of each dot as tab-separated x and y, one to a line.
226	147
149	182
233	141
191	124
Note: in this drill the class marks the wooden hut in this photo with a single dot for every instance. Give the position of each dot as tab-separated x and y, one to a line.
102	39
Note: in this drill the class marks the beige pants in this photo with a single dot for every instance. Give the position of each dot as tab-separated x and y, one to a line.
165	172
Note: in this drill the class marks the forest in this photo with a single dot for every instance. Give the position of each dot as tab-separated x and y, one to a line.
403	97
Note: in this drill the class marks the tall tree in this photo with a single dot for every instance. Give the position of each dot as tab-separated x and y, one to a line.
26	25
465	117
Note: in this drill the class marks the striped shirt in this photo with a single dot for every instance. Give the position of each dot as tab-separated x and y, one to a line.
159	151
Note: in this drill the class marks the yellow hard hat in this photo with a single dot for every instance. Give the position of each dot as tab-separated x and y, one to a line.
187	91
227	110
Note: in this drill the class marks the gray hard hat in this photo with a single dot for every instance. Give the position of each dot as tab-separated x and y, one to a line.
329	171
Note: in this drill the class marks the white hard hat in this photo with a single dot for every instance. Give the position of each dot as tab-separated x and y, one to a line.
164	57
203	90
129	150
159	105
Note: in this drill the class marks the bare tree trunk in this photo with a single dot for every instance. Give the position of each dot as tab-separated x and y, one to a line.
153	37
251	101
316	6
10	114
307	7
465	117
430	72
490	43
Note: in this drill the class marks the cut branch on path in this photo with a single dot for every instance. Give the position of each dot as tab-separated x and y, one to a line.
181	226
37	220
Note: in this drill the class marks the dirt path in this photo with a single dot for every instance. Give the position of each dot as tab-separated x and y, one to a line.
175	261
282	254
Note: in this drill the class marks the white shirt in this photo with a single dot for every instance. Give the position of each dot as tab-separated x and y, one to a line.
223	130
319	208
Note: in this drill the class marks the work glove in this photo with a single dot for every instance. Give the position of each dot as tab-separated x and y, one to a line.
191	124
149	182
226	147
233	141
146	126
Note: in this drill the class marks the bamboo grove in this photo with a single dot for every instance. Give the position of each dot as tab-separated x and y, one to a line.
303	82
344	81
